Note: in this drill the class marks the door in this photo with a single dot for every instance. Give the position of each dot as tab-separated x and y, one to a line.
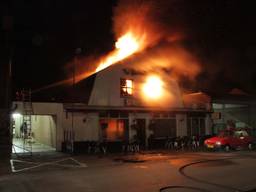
141	131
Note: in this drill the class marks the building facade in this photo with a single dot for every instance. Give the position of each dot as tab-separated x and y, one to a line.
122	105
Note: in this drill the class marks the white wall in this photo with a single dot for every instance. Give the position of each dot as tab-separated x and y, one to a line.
106	90
85	125
44	129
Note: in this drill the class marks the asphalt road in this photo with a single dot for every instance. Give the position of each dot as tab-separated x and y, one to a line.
150	172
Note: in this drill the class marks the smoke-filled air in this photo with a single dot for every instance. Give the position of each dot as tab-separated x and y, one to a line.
149	37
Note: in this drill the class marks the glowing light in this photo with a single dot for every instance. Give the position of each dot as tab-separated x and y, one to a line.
16	115
153	87
127	87
125	46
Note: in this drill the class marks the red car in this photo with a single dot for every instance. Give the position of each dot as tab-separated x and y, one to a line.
231	139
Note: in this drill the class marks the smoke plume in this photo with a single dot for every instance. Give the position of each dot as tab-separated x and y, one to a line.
159	33
157	24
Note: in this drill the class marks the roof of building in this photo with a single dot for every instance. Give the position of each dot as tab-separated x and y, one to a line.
235	95
80	92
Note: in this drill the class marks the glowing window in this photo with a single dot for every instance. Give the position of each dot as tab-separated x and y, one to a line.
113	129
126	87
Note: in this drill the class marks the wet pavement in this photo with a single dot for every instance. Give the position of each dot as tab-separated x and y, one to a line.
151	171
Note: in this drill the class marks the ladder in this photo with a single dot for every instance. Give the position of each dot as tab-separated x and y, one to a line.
27	120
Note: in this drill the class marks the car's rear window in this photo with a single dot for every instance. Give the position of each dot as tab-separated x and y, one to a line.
240	133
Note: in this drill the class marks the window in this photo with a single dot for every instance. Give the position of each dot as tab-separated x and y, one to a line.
240	134
114	129
126	87
165	127
196	126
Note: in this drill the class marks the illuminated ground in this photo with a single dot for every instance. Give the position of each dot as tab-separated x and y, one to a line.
172	171
19	146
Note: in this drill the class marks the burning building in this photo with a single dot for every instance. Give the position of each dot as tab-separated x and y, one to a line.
130	93
117	104
129	96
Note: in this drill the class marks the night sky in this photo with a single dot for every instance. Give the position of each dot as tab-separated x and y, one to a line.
46	33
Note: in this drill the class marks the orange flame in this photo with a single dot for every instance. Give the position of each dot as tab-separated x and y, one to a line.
126	45
153	87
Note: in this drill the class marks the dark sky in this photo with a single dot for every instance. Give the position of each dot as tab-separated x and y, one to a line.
46	33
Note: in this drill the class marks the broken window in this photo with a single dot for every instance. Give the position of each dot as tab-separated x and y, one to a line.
126	87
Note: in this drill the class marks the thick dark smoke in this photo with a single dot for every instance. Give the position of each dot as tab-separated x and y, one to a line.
157	20
161	24
220	34
160	32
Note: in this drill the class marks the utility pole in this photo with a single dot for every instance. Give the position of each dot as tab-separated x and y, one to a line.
5	93
77	52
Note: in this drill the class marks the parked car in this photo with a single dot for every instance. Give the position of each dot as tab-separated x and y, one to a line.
231	139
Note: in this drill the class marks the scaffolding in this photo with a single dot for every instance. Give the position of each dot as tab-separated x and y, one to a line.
26	134
27	120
